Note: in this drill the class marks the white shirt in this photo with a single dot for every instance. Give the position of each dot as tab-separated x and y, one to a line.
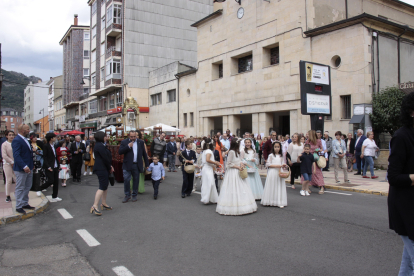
135	150
25	139
54	152
370	147
324	147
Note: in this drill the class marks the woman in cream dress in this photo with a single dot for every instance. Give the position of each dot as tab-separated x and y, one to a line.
208	189
248	156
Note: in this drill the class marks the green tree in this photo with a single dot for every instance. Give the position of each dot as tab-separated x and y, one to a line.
386	107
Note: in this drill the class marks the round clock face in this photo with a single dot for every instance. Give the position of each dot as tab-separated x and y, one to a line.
240	13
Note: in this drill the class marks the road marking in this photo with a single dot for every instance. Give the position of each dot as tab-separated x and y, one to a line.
65	214
197	192
337	193
88	238
122	271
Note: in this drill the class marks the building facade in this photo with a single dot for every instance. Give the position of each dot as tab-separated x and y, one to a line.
11	119
56	82
59	112
76	57
248	79
41	126
129	39
35	106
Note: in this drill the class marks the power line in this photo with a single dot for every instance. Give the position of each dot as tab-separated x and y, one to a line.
33	85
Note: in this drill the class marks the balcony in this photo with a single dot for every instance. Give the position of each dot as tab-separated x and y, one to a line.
112	52
83	97
113	79
114	30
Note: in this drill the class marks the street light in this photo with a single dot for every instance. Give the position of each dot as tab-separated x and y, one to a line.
87	77
40	112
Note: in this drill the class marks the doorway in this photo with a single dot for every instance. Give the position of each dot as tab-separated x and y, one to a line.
246	124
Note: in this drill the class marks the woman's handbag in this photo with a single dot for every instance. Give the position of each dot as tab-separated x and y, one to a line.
111	179
321	162
188	167
243	173
87	156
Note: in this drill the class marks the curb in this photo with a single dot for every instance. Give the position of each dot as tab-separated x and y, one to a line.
355	190
16	217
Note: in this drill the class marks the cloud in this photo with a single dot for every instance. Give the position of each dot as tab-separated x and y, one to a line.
31	31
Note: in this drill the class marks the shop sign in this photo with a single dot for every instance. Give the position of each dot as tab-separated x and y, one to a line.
318	104
114	110
407	85
89	125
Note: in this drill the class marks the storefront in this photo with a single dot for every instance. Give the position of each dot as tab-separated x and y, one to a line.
89	128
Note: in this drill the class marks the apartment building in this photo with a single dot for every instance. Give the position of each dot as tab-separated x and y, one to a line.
59	111
55	84
35	106
76	64
130	38
11	118
248	77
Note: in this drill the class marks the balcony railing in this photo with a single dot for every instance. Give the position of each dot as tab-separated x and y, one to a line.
84	96
113	29
112	52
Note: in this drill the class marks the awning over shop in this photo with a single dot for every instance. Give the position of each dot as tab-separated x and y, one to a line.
357	119
89	125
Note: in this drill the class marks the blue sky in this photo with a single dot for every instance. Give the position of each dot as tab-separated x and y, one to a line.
31	30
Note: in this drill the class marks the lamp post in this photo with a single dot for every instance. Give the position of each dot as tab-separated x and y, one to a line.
40	112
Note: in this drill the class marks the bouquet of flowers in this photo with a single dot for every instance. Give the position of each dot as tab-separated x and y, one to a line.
112	141
148	139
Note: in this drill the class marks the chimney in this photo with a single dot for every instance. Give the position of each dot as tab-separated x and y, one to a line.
75	20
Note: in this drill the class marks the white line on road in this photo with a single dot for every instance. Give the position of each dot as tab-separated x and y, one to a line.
122	271
88	238
337	193
65	214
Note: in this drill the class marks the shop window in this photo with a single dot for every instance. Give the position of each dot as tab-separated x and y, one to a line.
103	103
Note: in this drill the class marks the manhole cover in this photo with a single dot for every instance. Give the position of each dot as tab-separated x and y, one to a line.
348	185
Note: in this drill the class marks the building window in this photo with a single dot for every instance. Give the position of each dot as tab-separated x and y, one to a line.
346	107
86	35
86	91
274	56
119	98
86	72
102	2
109	15
103	23
185	119
191	119
102	48
93	78
12	113
113	69
5	119
103	103
171	95
94	7
12	126
102	73
93	107
245	64
86	54
117	14
94	31
93	56
11	120
220	70
156	99
112	100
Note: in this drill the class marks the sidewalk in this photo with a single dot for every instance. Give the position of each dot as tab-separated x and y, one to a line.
358	184
8	209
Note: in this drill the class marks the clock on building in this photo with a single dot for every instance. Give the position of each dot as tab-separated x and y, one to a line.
240	13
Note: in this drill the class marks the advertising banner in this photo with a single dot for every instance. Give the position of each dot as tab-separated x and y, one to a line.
318	104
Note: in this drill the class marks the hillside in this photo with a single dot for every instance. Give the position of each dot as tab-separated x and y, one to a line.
14	93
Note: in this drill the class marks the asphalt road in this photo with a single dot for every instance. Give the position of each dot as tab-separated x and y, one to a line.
331	234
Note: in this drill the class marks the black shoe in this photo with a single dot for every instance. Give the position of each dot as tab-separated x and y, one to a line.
79	180
155	197
21	211
183	195
357	173
28	207
188	194
134	199
126	199
8	199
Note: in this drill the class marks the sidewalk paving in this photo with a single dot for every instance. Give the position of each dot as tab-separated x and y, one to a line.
8	212
378	186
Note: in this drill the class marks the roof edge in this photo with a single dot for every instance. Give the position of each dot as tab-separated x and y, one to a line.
73	27
207	18
185	73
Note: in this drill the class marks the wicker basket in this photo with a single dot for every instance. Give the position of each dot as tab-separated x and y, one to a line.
283	174
243	173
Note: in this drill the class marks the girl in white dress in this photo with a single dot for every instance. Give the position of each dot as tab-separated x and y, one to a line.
236	197
208	189
275	188
248	157
64	173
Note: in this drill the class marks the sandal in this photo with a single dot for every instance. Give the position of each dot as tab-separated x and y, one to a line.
321	190
293	186
106	207
96	212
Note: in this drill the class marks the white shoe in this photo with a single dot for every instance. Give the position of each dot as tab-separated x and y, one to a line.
85	173
90	173
57	199
44	190
39	193
307	193
302	193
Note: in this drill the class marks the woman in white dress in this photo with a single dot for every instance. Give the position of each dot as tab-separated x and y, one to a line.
208	189
248	157
236	197
275	188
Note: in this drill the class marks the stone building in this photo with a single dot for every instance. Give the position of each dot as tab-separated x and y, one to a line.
55	88
129	39
76	56
35	105
247	76
59	112
11	119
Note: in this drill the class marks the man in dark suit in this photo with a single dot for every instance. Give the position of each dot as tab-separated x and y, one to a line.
267	149
77	149
133	150
171	152
88	142
51	166
358	146
188	178
23	169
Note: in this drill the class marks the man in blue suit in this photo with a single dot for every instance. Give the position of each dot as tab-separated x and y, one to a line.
188	178
358	146
23	169
171	152
133	151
